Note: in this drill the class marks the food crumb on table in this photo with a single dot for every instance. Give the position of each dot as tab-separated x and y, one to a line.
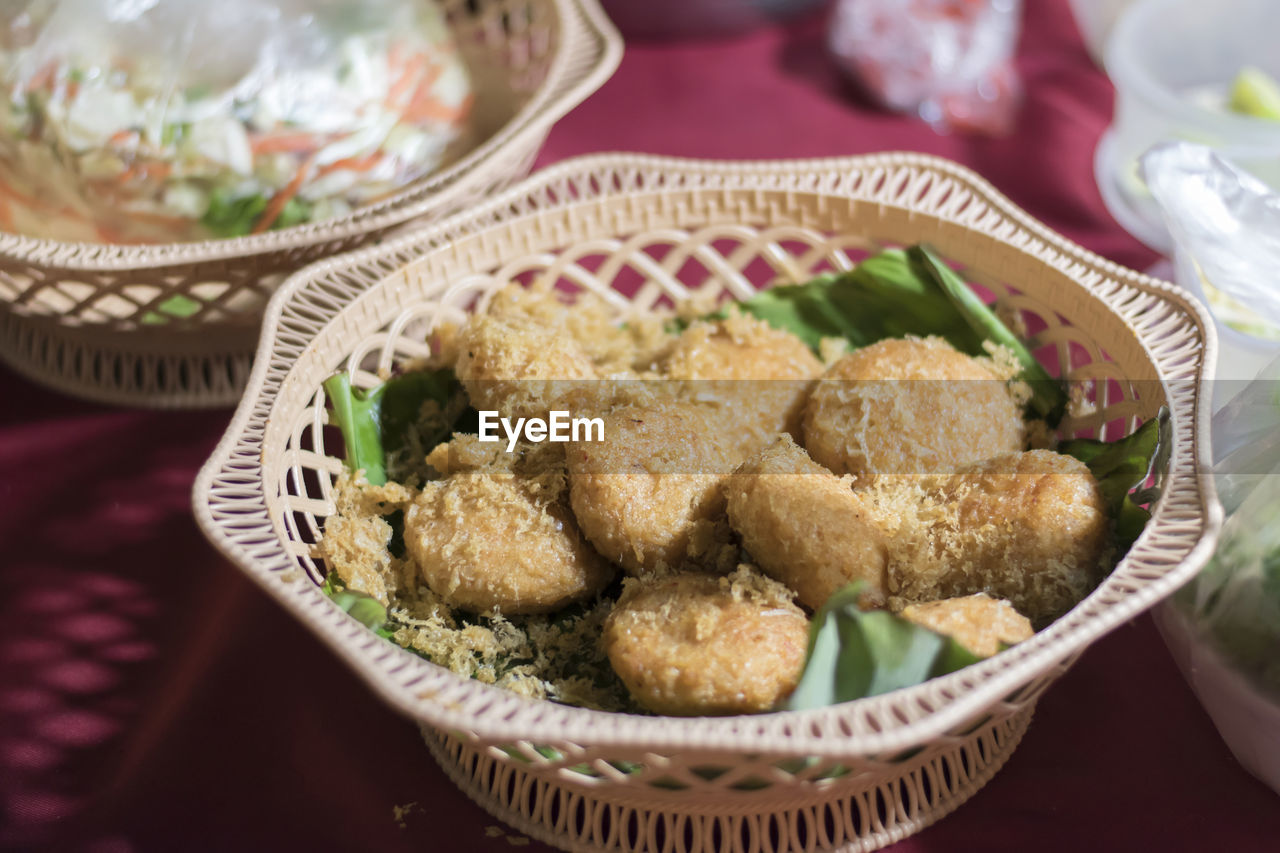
399	813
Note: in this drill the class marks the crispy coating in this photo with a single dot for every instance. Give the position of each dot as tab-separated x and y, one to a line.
806	527
649	494
355	537
520	368
980	623
486	540
466	452
614	347
761	374
695	644
870	414
1028	527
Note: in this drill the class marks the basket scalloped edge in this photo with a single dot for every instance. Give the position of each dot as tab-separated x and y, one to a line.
1176	543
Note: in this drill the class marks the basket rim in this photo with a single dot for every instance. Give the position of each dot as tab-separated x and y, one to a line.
583	25
1047	649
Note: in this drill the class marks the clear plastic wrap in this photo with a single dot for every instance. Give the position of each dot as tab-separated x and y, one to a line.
1234	603
159	120
1225	224
1226	219
948	61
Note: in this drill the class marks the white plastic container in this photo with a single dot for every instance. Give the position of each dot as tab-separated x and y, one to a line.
1171	60
1248	722
1096	19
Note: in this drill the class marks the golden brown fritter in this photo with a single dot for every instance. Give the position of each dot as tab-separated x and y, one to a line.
539	465
762	375
520	368
694	644
1028	527
806	527
649	494
982	624
486	540
613	346
909	406
466	452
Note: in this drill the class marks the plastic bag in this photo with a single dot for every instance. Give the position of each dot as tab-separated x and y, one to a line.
948	61
1226	226
1235	600
1225	218
159	120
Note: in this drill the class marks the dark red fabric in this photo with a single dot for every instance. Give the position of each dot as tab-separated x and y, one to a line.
152	699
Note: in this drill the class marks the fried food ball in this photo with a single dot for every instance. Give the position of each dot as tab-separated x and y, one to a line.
696	644
466	452
613	346
980	623
649	494
761	374
806	527
909	406
486	539
522	369
1028	527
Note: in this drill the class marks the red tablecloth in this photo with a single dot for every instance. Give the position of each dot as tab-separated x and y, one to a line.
152	699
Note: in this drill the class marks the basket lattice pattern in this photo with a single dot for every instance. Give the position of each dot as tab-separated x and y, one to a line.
642	232
880	803
96	320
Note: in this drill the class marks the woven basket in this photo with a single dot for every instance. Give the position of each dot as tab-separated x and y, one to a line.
90	319
851	777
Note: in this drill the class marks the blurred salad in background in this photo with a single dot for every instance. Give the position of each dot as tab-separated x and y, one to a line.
162	120
1234	603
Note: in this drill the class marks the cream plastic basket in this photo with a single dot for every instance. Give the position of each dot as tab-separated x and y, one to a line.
91	319
851	777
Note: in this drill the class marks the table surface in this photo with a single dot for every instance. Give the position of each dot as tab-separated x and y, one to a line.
152	699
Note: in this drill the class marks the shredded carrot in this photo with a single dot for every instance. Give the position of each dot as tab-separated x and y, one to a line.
284	142
276	206
423	90
9	193
414	68
354	164
429	109
120	137
154	169
43	79
107	234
